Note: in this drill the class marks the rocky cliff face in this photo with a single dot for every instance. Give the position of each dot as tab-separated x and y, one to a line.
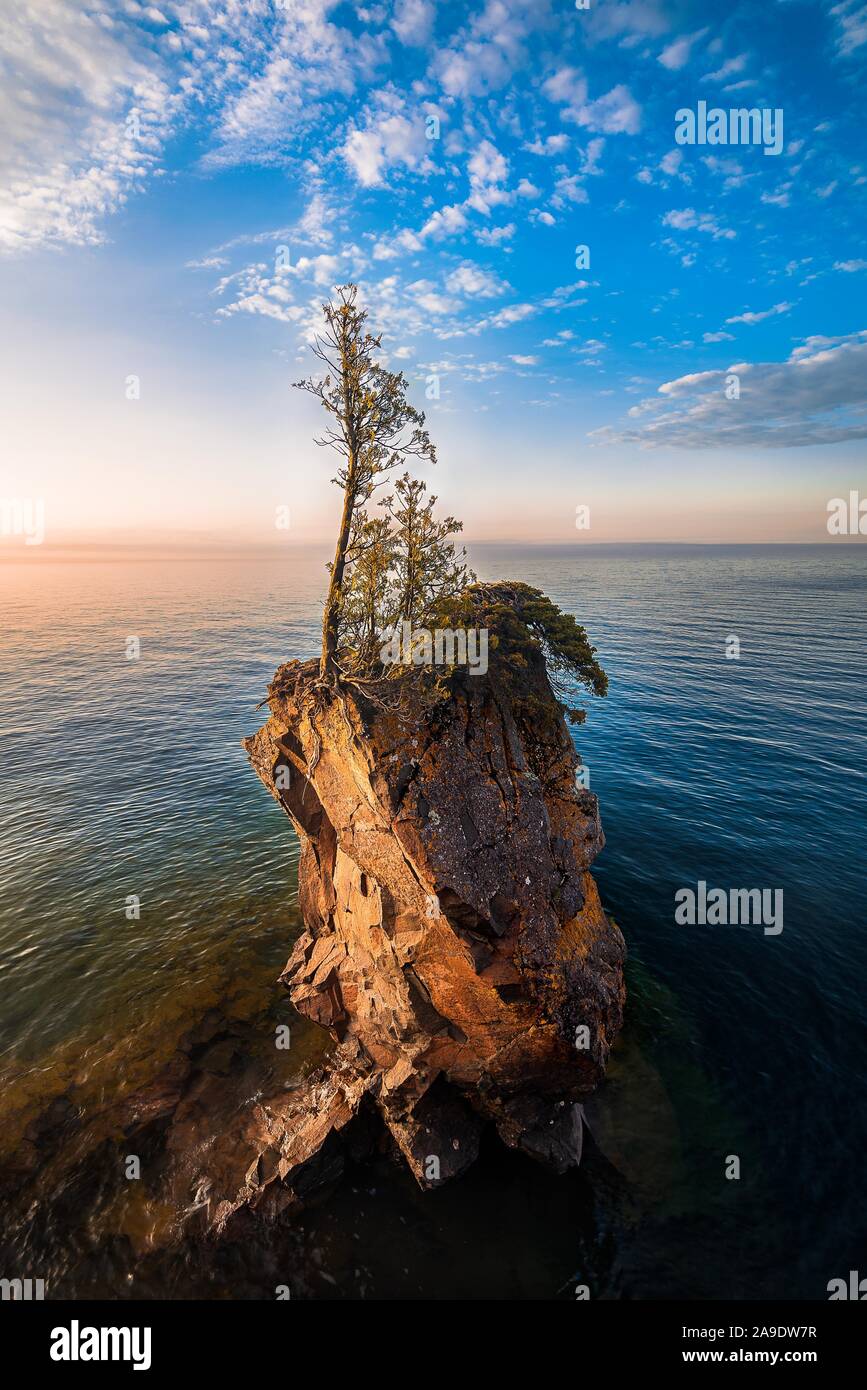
455	944
455	955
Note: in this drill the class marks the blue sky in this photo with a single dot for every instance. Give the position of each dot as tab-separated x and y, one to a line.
185	183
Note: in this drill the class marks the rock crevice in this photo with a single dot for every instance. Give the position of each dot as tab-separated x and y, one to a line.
455	944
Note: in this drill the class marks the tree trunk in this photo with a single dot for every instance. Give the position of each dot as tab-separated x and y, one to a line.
331	616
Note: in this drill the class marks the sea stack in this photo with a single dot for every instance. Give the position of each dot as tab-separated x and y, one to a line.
455	944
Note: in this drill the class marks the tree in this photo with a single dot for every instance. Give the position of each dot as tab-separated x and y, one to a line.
524	624
427	569
399	568
373	428
367	588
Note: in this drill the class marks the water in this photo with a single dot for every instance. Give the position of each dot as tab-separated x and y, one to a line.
125	778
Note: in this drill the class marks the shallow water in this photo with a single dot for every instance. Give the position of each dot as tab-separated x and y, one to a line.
126	777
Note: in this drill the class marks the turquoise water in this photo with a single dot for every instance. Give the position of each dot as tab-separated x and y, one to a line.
125	777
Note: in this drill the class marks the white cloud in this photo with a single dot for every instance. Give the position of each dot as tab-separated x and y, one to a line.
295	65
85	113
687	219
470	280
732	169
676	54
670	166
488	170
591	155
614	113
445	222
564	296
569	189
482	57
430	300
551	145
495	236
261	288
413	21
783	308
851	20
76	75
730	68
566	87
316	223
630	20
502	318
818	396
391	139
266	303
514	313
850	266
323	270
487	165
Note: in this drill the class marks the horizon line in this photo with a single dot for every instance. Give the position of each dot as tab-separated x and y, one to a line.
127	549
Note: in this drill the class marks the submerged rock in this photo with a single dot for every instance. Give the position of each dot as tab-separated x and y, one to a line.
455	944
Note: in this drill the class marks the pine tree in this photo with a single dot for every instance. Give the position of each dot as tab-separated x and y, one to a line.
373	428
368	587
427	567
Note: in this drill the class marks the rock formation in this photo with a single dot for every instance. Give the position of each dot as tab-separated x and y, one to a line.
455	951
455	945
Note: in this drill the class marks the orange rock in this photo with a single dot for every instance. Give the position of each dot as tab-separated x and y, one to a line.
456	946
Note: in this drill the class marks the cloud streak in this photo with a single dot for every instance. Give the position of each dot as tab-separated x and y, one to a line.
818	396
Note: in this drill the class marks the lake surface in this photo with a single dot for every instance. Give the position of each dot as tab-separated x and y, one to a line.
125	779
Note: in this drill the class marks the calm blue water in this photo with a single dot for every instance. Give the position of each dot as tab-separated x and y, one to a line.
126	778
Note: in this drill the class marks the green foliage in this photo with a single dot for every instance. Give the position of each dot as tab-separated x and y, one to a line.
427	568
372	426
526	627
400	567
366	589
403	566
